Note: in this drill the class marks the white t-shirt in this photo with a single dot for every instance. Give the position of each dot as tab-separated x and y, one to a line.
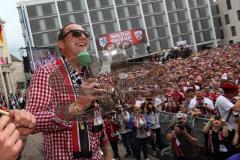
224	107
138	103
207	101
154	119
157	101
122	118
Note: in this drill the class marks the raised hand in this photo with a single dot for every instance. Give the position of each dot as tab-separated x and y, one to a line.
25	121
10	141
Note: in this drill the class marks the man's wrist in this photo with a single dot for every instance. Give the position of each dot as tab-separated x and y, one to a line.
75	108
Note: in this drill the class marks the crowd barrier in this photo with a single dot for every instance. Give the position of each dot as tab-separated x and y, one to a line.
167	118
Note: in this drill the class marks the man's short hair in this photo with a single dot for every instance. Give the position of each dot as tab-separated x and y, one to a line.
62	31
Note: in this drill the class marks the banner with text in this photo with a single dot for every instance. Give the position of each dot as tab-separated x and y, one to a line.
121	39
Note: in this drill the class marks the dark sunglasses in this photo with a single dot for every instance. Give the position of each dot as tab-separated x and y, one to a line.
76	33
217	117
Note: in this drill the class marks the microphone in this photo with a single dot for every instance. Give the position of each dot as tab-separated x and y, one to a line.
83	58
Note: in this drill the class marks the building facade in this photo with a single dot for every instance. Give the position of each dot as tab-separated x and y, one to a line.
229	18
17	75
6	87
165	21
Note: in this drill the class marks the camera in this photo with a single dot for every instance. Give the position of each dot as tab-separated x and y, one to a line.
199	107
181	126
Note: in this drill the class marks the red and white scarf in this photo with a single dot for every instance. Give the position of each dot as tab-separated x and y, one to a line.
176	146
80	134
210	143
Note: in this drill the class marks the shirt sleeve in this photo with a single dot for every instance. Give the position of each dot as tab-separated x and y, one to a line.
39	100
192	104
209	103
149	121
127	116
224	104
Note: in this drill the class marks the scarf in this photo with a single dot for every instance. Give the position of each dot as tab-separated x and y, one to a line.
210	142
80	134
140	123
176	146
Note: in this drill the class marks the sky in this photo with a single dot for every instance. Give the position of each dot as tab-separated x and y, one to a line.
13	30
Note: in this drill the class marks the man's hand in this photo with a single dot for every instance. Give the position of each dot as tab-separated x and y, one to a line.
9	140
88	90
91	87
177	130
25	121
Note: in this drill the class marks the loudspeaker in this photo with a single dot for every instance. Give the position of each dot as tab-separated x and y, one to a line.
26	64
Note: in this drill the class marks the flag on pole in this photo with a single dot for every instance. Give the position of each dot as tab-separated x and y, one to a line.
1	34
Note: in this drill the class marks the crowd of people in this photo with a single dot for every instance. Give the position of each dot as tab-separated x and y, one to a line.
80	118
201	86
16	101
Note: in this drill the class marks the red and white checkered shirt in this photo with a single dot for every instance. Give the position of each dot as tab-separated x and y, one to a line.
46	93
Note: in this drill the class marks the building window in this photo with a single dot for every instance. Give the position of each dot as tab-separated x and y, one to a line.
221	34
39	10
217	9
42	24
233	30
230	42
229	6
238	13
227	21
219	21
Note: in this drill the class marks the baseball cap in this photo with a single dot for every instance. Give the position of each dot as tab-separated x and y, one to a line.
180	115
229	86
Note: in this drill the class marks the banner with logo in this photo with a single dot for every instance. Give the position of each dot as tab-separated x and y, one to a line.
121	39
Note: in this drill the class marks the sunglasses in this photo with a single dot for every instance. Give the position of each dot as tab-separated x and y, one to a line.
217	117
76	33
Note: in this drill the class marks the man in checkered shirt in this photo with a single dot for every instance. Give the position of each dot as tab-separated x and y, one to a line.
52	96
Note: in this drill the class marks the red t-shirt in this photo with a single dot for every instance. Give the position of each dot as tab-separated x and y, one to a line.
111	130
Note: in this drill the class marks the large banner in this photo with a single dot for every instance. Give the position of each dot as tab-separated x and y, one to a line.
41	56
128	37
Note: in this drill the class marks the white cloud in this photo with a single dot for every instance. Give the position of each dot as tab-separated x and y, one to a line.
13	31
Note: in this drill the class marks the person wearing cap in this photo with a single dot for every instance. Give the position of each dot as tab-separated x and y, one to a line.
66	110
182	137
225	106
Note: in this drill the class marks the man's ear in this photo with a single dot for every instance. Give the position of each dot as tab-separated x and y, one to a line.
61	44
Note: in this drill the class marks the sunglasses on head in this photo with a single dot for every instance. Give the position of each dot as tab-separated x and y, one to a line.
76	33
